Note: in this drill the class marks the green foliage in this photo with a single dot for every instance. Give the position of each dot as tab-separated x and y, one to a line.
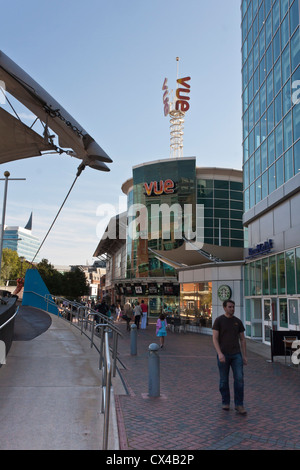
71	285
13	266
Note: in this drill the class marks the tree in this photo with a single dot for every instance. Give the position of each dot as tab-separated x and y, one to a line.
71	285
75	284
51	277
9	266
13	266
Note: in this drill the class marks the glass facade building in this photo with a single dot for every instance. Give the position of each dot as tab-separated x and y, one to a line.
173	185
22	241
223	211
270	78
271	164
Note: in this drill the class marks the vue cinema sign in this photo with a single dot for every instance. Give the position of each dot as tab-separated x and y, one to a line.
156	188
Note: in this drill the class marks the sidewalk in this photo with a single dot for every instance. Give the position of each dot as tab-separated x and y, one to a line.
50	392
188	414
50	388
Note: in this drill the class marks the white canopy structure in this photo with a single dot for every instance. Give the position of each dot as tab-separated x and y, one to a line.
18	141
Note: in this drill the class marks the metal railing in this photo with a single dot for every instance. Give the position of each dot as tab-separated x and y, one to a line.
10	319
99	325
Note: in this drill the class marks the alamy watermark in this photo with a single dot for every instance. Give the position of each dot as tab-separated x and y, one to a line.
2	353
155	221
296	354
2	92
296	93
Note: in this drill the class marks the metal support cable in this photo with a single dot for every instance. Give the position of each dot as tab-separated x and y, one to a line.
79	171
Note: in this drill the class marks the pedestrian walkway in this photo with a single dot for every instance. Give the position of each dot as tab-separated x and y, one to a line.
50	392
188	414
50	388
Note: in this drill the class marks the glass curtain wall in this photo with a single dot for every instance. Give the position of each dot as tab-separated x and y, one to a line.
271	109
182	173
223	211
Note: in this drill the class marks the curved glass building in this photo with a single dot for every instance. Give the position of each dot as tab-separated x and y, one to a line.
178	216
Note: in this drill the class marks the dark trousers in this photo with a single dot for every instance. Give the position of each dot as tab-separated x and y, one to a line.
235	362
137	319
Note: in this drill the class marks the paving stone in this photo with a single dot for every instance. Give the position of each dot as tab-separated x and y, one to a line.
190	415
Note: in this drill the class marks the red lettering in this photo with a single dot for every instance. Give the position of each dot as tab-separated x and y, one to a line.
148	188
182	81
169	187
165	98
165	84
182	90
159	191
182	105
159	187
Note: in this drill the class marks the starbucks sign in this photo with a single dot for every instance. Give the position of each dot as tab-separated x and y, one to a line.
224	293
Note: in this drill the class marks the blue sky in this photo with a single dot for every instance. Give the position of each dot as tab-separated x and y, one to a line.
105	62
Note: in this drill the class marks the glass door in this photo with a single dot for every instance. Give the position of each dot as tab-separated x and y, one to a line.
267	320
293	314
270	318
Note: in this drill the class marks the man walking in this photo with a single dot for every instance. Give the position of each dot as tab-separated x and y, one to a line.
230	343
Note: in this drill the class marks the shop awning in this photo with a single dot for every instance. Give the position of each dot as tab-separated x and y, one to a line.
22	142
189	255
18	141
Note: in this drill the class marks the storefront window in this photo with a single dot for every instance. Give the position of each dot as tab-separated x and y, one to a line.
283	316
265	276
298	269
248	310
290	272
281	273
258	277
196	303
273	277
252	278
246	280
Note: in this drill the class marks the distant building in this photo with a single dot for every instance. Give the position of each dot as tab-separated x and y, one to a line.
94	276
22	241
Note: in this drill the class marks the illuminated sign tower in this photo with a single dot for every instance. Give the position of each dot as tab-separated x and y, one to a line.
176	106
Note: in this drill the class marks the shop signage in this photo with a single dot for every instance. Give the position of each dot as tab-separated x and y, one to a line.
153	289
260	249
182	102
165	98
138	289
224	293
156	188
182	98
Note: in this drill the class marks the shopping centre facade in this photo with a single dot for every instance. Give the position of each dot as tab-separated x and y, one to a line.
243	240
186	252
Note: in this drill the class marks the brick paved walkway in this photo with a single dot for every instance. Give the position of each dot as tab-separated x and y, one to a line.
188	414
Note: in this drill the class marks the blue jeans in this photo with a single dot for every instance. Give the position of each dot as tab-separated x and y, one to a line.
235	361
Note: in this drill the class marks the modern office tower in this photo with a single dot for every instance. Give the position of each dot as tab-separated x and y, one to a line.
271	164
22	241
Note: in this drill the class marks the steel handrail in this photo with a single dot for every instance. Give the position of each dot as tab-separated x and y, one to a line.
104	352
106	390
10	319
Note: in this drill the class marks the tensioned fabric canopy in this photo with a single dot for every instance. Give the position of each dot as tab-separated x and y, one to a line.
18	141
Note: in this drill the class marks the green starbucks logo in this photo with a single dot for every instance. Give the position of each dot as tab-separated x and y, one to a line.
224	293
